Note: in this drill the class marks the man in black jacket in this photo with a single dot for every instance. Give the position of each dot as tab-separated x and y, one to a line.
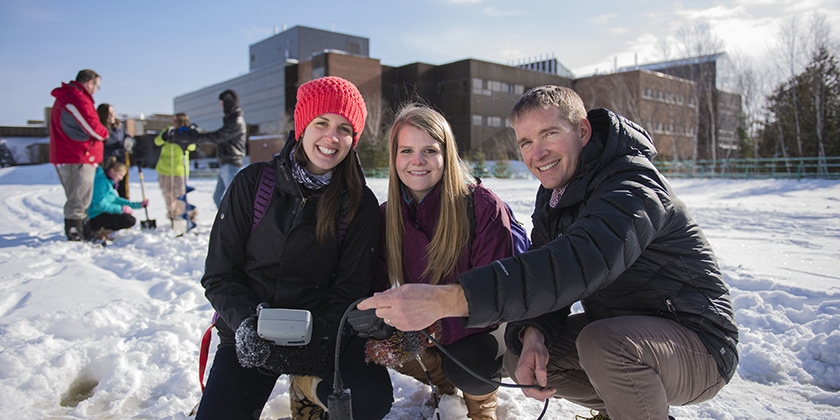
229	140
657	327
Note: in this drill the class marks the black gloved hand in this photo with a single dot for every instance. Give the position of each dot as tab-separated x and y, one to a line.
184	136
251	350
315	358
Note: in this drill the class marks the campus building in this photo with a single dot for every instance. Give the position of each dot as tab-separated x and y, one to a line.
672	100
718	111
677	101
666	106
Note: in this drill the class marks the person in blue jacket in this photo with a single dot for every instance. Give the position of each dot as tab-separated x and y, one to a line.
108	211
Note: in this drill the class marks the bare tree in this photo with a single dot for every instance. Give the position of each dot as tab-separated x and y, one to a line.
375	121
820	34
751	83
698	40
791	59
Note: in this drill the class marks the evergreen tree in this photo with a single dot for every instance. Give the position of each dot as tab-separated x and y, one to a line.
817	101
502	169
479	164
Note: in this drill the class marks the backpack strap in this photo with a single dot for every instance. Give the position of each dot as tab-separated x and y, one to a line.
471	214
265	190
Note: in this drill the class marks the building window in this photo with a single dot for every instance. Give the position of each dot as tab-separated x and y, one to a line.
477	86
477	120
494	121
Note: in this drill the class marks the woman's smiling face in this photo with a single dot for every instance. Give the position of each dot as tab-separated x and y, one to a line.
419	161
326	141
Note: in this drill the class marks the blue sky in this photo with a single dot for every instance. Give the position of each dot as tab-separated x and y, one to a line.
149	52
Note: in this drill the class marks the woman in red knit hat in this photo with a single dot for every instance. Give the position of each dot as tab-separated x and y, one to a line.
298	232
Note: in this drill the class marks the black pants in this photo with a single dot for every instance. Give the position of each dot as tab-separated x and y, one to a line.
234	392
479	353
112	221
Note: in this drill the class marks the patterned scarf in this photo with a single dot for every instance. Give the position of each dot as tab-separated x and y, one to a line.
556	194
306	178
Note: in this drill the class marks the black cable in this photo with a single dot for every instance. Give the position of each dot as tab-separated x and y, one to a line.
340	399
431	385
470	371
338	387
479	377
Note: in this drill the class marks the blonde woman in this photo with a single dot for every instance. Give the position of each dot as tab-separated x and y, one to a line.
430	236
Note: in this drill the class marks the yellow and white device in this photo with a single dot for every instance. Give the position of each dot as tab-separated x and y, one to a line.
285	327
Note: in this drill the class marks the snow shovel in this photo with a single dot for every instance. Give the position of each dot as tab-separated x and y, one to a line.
148	223
126	180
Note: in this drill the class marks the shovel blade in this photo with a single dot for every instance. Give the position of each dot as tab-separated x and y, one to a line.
148	224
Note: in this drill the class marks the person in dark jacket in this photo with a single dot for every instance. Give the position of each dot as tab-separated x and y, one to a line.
76	142
229	141
118	144
428	240
314	248
657	327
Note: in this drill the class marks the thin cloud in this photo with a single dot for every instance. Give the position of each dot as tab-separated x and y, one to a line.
603	19
495	12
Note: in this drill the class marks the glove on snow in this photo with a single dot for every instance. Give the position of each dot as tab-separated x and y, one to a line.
315	358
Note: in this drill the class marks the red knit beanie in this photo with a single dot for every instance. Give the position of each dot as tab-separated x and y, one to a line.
330	95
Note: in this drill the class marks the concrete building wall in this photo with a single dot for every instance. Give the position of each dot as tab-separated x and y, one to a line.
262	97
301	43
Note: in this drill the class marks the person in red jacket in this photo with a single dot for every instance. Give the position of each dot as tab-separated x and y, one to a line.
76	144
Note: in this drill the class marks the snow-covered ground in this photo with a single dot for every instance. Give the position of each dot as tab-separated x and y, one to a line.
113	333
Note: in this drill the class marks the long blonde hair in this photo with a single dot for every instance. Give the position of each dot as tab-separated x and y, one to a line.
453	230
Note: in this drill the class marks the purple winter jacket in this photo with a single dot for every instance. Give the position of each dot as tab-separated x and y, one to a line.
492	241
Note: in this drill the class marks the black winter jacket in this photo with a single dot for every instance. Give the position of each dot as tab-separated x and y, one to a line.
229	140
281	263
621	242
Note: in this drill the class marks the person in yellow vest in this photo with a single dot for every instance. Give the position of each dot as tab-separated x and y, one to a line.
173	168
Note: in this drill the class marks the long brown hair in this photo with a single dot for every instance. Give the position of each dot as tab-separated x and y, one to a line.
103	110
452	234
333	205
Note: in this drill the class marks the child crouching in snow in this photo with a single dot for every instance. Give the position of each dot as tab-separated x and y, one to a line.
108	211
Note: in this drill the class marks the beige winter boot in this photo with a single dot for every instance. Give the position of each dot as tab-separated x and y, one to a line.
431	360
303	398
481	407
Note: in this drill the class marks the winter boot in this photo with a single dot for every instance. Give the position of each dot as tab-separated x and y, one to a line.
89	235
431	360
104	234
87	231
74	229
303	398
481	407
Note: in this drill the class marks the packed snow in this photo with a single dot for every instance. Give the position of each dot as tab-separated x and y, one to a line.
88	332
